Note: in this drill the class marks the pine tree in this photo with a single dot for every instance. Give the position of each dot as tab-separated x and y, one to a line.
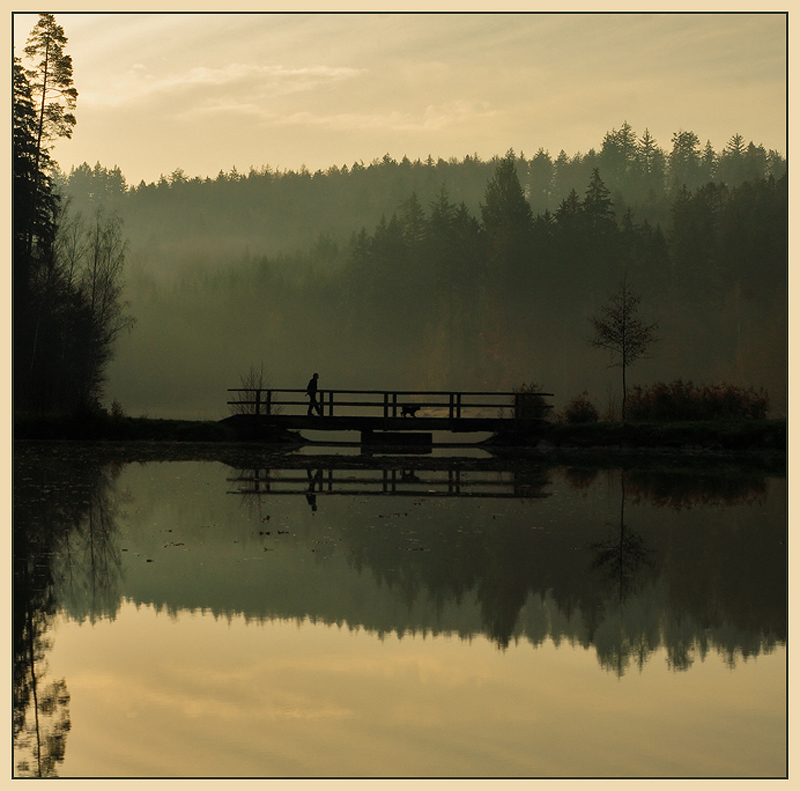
51	82
684	160
597	206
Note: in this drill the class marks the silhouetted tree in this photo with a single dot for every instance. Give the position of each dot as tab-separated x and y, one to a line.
100	284
507	224
541	172
619	330
597	208
684	160
35	209
51	81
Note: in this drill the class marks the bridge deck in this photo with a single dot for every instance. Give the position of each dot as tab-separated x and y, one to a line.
377	423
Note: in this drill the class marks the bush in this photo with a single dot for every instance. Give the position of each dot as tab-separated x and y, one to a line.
529	403
581	410
685	401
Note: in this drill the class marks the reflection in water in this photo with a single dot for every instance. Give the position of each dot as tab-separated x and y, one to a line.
682	489
506	549
622	556
65	513
368	475
314	480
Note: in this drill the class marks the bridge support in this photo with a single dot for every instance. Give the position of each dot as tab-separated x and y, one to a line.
397	438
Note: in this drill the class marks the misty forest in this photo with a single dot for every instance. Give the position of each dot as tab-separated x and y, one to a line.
153	299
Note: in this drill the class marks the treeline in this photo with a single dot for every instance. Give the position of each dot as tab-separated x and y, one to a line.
438	296
510	290
267	211
67	288
415	274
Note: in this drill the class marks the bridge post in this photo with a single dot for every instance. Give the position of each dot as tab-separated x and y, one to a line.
330	403
258	401
268	404
458	405
394	404
385	406
452	406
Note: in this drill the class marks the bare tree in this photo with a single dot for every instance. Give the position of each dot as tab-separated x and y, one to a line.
619	330
256	378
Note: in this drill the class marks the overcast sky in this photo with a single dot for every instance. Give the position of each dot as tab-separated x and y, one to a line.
207	92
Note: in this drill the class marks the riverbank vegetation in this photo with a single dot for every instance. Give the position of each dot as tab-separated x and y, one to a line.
723	436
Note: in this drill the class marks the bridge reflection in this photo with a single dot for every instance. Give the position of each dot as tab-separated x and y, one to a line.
408	477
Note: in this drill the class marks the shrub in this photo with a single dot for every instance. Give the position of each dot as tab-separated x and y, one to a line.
581	410
686	401
529	403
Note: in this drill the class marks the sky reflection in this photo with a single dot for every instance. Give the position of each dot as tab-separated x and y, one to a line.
191	694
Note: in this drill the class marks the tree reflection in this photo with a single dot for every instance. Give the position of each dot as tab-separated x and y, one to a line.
45	739
692	489
64	556
475	558
622	560
623	555
581	478
87	564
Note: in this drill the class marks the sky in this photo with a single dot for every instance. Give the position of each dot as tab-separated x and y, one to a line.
207	92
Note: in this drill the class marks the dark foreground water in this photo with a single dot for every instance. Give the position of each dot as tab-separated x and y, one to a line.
248	615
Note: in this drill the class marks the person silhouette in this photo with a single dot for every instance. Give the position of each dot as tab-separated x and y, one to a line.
311	392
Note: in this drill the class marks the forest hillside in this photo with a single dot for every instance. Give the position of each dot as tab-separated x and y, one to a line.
450	274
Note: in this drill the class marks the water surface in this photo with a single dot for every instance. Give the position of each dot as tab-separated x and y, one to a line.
235	614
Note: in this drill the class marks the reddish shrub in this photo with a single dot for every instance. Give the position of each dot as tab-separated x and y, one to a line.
685	401
581	410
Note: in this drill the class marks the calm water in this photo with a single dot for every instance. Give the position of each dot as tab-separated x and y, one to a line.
244	615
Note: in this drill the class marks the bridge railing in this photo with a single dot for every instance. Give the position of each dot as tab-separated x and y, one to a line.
389	403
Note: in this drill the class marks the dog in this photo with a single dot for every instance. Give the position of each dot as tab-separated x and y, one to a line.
410	410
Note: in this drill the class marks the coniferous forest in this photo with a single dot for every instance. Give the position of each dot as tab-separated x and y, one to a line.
460	273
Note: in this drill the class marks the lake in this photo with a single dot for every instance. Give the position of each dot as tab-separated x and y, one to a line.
222	611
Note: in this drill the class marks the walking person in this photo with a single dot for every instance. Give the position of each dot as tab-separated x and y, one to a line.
311	392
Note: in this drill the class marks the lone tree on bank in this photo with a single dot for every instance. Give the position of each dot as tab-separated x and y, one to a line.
619	330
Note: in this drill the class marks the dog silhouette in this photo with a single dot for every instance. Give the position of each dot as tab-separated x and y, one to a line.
410	410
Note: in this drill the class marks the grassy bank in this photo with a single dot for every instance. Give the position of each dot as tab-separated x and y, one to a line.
129	429
710	435
741	436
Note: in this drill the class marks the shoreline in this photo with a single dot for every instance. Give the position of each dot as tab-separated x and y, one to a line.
697	443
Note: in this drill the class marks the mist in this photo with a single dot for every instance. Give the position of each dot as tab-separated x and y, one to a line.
435	275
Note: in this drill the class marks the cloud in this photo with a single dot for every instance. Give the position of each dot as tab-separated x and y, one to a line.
457	113
139	85
432	118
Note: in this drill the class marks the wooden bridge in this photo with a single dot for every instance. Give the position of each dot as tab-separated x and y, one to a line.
390	411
